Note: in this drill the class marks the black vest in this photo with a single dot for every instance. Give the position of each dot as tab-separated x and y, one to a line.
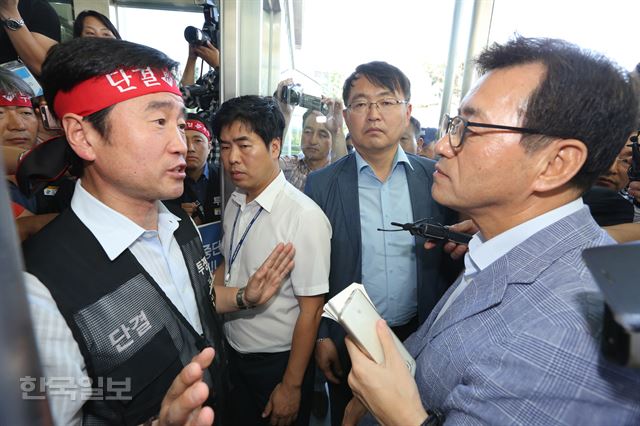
133	339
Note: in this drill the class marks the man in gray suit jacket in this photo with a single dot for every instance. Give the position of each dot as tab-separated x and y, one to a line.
367	190
516	339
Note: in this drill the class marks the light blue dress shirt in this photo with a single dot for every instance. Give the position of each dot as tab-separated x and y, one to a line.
389	271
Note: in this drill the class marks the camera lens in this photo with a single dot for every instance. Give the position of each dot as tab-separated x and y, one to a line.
194	35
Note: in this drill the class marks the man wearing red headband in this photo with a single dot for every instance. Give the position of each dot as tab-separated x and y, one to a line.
120	290
201	196
18	133
18	121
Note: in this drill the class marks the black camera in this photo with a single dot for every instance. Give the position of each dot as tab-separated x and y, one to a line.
210	30
293	95
203	95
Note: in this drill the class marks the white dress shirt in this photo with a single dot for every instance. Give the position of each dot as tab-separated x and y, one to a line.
287	216
159	254
483	253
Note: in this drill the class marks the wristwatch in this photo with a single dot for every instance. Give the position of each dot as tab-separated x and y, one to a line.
13	24
239	300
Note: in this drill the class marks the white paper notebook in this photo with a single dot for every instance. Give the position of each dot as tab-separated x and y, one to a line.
353	309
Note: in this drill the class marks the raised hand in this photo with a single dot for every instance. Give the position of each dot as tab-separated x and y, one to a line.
266	281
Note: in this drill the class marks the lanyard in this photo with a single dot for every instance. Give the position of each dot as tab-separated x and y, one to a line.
234	253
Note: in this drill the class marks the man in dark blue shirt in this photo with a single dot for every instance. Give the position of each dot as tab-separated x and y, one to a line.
201	196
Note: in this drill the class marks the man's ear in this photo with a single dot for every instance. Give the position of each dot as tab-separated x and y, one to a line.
78	136
560	162
276	148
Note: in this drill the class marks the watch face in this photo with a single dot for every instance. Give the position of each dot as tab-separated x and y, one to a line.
13	24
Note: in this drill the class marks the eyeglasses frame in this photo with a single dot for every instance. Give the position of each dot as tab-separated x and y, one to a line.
446	118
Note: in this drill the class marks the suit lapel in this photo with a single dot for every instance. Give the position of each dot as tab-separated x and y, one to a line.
419	189
522	264
348	189
484	291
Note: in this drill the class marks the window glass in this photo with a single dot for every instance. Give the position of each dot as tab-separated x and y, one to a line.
609	27
160	29
336	36
64	9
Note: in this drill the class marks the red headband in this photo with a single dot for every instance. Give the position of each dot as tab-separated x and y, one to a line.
101	92
198	127
15	100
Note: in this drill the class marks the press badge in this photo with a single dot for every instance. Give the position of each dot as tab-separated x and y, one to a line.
50	191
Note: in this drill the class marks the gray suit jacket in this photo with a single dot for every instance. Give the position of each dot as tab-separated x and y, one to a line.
520	345
335	190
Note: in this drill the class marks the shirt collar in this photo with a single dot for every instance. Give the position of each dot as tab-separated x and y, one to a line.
114	231
483	253
266	198
203	176
399	157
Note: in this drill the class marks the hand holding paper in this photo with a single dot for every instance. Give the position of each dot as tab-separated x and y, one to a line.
353	309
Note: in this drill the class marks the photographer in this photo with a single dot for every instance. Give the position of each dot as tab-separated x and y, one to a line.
30	28
322	140
206	52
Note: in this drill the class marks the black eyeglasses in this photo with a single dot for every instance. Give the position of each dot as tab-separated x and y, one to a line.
456	128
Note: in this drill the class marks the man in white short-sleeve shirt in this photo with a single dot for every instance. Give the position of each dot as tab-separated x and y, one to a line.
270	346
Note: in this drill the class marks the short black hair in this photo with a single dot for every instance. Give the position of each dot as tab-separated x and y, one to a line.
69	64
11	84
78	24
260	114
583	96
416	126
380	74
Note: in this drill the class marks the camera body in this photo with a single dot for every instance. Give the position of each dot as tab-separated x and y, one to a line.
293	95
210	30
203	95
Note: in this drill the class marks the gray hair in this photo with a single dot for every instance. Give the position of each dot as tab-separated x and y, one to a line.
11	84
